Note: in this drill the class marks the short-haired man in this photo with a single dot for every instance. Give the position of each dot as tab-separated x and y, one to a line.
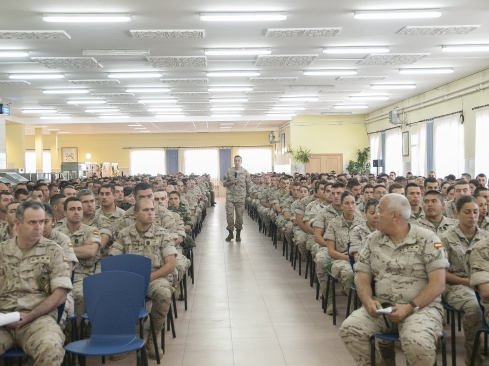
481	177
396	188
36	295
379	191
21	194
431	184
69	191
407	265
5	199
146	238
367	193
355	187
57	203
8	232
108	208
462	188
413	194
433	219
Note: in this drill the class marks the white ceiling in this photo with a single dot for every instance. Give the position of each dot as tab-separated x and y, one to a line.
26	15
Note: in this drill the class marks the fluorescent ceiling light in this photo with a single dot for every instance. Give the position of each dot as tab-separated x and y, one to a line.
55	117
229	88
330	72
86	18
242	16
370	97
170	110
65	91
466	48
281	114
116	53
148	90
299	99
101	110
86	101
398	14
355	106
237	51
215	109
170	115
226	100
113	116
288	108
39	111
360	49
226	115
153	101
392	86
134	75
233	73
36	76
13	53
434	70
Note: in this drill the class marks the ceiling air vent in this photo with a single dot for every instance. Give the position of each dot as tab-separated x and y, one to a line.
392	59
95	82
302	32
68	62
442	30
168	33
112	95
177	61
185	81
190	94
273	80
40	35
285	60
14	82
334	91
360	78
258	92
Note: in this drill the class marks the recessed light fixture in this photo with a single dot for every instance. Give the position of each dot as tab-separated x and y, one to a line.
466	48
398	14
39	111
134	75
54	117
353	106
277	108
330	72
113	116
228	100
153	101
36	76
86	101
116	52
392	86
370	97
229	88
237	51
148	90
226	115
86	18
299	99
433	70
170	110
242	16
360	49
66	91
215	109
233	73
101	110
13	53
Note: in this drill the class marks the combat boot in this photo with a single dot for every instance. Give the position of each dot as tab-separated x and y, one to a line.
238	238
329	305
388	353
230	236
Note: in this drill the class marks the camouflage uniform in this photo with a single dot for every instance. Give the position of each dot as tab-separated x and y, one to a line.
21	290
400	273
86	266
235	197
125	206
156	245
339	231
310	213
104	226
443	226
300	236
182	262
287	225
449	210
114	216
477	267
357	237
484	224
4	235
413	219
462	297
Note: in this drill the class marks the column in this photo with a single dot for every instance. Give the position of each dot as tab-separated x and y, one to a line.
39	149
3	144
15	142
54	152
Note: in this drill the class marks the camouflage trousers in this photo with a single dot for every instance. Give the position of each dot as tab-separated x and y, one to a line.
418	334
213	197
42	339
288	230
300	238
265	218
322	259
69	309
231	208
182	265
78	294
160	291
342	271
310	242
463	298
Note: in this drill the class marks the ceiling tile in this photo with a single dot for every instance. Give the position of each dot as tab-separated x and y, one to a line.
437	30
302	32
392	59
68	62
168	33
177	61
273	80
285	60
360	78
37	34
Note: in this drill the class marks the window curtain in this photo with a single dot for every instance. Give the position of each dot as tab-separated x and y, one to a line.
419	150
393	151
375	149
481	143
256	159
448	146
30	162
199	161
147	161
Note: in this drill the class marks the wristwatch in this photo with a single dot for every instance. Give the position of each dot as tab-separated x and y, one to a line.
415	307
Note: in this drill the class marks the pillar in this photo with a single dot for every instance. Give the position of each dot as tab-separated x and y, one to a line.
54	152
38	148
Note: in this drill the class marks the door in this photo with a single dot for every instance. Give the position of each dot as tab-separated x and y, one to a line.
324	163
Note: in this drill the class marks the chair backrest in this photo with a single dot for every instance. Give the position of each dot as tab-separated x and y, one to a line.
484	323
130	263
350	257
113	302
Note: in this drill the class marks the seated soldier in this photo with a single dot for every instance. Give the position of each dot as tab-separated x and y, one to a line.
433	219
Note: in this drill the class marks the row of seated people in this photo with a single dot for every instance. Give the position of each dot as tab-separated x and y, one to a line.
418	245
39	252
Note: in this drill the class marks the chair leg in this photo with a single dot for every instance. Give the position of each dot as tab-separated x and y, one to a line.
326	297
155	339
317	289
372	351
185	290
459	321
333	283
348	304
174	300
172	325
476	347
443	352
308	260
298	254
192	265
163	339
295	256
312	275
453	340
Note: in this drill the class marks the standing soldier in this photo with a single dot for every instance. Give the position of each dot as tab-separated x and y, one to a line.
237	181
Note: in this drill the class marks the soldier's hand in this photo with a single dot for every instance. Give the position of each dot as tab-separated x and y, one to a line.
371	307
399	313
24	319
235	180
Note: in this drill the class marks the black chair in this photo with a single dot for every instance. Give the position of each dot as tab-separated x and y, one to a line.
484	329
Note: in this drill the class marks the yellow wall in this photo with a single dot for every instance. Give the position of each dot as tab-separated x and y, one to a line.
14	139
110	148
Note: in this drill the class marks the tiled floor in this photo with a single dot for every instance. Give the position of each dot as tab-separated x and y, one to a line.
249	307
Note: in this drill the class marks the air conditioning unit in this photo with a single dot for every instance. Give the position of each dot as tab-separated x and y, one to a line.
394	118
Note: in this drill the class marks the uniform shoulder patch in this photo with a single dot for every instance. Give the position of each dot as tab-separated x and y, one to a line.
171	217
70	244
96	232
65	259
438	245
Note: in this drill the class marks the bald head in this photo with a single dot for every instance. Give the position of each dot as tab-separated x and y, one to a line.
143	202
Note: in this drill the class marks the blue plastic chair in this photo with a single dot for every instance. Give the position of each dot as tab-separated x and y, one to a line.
484	329
113	303
142	266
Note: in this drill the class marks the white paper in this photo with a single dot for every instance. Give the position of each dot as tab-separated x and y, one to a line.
9	318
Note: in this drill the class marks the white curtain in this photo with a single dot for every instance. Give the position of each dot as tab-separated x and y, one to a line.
393	151
448	146
148	161
200	161
419	150
256	159
481	143
375	149
30	162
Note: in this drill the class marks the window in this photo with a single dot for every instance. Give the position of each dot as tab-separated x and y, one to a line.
375	149
151	161
419	150
200	161
448	146
30	162
393	151
256	159
481	145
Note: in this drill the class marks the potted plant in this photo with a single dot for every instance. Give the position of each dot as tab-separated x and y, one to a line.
300	157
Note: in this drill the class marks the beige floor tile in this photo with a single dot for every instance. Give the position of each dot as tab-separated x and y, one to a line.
255	343
259	357
208	357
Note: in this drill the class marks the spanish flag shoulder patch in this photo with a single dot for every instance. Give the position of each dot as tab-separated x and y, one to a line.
70	244
438	245
96	232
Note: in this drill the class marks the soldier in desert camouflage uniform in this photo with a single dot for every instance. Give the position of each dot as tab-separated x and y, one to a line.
434	220
298	209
